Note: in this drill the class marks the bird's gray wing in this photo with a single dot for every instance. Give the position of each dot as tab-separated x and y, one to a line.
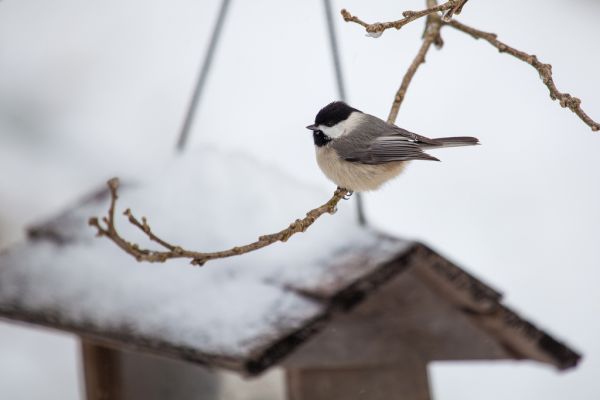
423	140
387	129
376	142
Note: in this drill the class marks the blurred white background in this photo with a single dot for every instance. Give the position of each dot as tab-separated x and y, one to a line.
94	89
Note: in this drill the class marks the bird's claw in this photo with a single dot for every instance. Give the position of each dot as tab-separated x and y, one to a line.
348	195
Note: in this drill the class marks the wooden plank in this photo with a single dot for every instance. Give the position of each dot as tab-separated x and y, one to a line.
112	374
101	372
405	382
404	318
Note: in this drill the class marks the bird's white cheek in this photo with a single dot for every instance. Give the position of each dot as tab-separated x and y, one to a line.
333	131
343	127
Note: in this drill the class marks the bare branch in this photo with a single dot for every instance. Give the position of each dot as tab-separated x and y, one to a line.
455	10
545	71
377	29
430	36
107	229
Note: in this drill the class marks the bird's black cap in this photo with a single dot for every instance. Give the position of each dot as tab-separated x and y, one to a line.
333	113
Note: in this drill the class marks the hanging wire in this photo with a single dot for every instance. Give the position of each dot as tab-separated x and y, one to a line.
207	63
335	52
203	75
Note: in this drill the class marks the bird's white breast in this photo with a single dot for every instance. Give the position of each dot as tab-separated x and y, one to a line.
354	176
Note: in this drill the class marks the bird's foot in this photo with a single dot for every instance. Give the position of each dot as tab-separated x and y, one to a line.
348	195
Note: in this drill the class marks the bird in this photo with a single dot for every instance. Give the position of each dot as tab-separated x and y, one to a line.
360	152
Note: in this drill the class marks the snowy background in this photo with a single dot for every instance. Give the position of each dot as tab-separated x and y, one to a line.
89	90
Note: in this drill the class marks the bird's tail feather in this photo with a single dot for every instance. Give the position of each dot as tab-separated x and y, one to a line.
453	142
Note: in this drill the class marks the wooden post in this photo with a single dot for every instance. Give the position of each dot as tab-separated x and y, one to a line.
120	375
100	370
393	382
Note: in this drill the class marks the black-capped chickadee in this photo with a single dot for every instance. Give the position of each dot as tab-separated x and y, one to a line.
360	152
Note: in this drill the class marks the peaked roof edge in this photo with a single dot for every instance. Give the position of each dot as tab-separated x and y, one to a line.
483	306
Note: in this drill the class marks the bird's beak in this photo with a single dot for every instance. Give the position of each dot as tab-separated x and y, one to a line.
313	127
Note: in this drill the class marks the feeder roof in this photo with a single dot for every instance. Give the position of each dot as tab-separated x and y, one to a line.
244	313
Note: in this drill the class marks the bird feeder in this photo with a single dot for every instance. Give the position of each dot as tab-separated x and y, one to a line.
346	311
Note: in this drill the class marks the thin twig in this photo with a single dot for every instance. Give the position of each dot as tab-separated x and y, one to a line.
107	228
376	29
431	36
545	71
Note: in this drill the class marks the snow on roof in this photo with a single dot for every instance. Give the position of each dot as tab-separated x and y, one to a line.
205	200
